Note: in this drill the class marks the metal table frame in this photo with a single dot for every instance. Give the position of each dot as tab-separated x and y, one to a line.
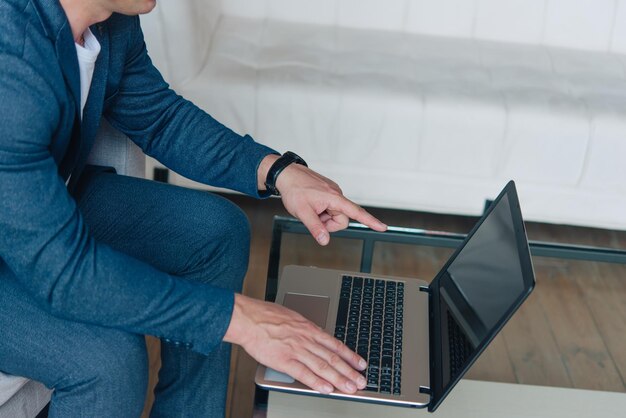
414	236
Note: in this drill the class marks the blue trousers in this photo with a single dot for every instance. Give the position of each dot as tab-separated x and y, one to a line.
102	372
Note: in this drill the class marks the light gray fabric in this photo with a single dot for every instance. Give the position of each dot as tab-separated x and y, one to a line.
113	149
27	402
9	385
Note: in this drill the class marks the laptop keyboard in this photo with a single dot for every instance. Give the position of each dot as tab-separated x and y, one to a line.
460	347
369	321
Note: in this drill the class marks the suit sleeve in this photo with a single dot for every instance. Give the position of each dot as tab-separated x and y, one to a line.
176	132
45	245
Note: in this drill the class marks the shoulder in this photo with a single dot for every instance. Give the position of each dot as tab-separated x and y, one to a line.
14	21
23	36
24	46
27	78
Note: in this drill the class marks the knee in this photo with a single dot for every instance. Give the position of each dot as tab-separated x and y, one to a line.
114	374
223	260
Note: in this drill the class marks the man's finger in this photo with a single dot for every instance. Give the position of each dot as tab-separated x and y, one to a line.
315	226
341	366
328	371
305	375
357	213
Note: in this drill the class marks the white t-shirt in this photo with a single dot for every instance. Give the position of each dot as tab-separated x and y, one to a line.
87	56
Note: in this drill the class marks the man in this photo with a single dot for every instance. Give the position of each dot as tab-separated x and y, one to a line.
90	261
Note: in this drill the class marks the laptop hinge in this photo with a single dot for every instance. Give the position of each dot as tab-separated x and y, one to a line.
425	289
424	389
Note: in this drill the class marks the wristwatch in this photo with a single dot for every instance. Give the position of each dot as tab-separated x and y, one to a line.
279	165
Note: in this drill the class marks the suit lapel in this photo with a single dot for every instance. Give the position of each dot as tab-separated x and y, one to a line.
92	113
95	100
66	54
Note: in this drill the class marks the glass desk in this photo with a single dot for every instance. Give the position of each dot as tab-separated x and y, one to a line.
571	332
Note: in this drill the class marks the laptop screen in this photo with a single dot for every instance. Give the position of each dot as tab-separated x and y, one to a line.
481	286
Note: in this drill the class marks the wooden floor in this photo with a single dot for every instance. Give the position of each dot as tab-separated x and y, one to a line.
571	332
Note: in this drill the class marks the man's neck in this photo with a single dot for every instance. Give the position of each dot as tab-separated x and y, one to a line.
83	13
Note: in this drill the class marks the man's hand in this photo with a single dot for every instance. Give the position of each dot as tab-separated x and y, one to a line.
317	201
286	341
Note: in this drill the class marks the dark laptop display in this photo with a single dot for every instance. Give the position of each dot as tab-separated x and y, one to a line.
477	291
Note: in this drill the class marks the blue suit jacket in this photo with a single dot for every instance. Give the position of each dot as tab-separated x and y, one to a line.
43	241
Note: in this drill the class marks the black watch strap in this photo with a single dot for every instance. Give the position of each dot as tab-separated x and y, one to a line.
279	165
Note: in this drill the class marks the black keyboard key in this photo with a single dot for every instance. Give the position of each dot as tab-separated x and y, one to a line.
342	312
372	387
385	385
386	362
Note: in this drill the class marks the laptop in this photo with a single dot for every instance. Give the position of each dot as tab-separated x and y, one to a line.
419	338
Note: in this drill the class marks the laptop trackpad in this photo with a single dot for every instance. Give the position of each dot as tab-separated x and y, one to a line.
312	307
